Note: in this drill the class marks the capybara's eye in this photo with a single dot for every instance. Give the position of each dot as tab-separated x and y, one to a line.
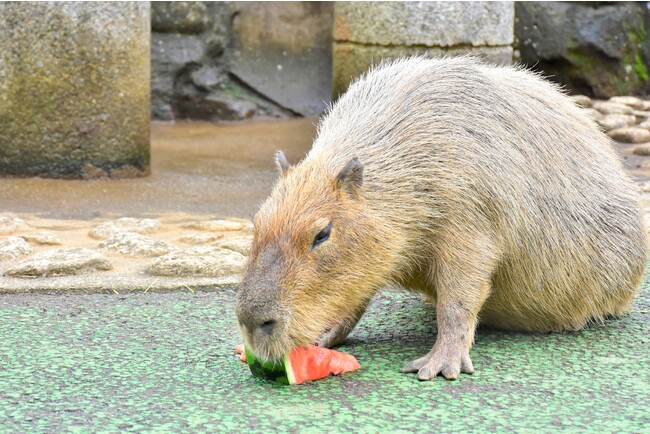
322	235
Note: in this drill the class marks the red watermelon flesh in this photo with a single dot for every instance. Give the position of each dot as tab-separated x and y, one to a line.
306	364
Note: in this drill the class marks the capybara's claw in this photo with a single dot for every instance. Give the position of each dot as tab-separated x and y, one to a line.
448	363
415	365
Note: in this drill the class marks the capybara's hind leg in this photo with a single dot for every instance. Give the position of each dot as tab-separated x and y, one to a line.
462	285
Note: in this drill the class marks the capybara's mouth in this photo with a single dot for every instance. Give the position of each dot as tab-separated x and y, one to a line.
321	338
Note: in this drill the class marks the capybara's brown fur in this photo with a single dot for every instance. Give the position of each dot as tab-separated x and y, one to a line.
483	187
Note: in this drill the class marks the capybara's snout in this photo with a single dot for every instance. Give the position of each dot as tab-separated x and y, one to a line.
261	320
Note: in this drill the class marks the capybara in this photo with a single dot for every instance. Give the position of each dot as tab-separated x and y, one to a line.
483	187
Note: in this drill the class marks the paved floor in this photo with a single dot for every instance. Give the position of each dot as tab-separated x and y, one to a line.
165	363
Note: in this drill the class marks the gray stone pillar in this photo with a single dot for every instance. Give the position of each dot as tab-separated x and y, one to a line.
74	89
366	32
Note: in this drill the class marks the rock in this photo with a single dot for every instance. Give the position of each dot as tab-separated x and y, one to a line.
199	261
42	238
632	101
9	225
641	113
179	17
214	107
206	77
645	106
630	135
612	122
134	244
216	225
124	224
60	262
200	238
237	244
646	188
612	108
581	100
293	71
12	248
594	114
170	56
643	150
599	49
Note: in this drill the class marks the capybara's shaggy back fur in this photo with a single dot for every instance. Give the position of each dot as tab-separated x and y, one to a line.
486	170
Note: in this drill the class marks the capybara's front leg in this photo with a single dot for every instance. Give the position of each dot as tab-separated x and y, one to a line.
450	354
461	286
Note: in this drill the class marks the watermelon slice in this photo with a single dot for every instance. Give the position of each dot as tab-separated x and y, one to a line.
302	364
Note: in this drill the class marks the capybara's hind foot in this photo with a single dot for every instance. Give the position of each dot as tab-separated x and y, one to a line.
449	362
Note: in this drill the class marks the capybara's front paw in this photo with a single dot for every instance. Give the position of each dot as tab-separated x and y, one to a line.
446	360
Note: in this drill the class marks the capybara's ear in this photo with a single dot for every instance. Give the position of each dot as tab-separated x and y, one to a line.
351	176
281	162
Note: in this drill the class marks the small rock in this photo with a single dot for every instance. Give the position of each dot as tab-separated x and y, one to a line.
612	108
60	262
9	225
582	100
632	101
645	106
643	150
43	238
200	238
630	135
216	225
199	261
124	224
593	113
646	187
206	77
237	244
134	244
641	114
612	122
12	248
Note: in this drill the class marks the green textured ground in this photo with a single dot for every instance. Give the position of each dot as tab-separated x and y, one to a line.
164	362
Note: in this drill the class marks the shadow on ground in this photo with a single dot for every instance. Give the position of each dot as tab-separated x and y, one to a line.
165	362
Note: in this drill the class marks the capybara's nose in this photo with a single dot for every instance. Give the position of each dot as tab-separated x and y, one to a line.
267	327
263	327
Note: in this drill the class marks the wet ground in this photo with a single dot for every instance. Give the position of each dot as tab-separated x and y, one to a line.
197	168
164	362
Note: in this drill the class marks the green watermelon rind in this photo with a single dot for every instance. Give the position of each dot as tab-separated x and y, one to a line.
274	370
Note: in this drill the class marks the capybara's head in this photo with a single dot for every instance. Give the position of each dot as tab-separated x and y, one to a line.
307	269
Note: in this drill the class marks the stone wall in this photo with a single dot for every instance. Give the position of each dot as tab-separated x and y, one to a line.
233	61
599	49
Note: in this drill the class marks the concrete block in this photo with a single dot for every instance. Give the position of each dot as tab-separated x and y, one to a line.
432	24
74	89
352	60
367	32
